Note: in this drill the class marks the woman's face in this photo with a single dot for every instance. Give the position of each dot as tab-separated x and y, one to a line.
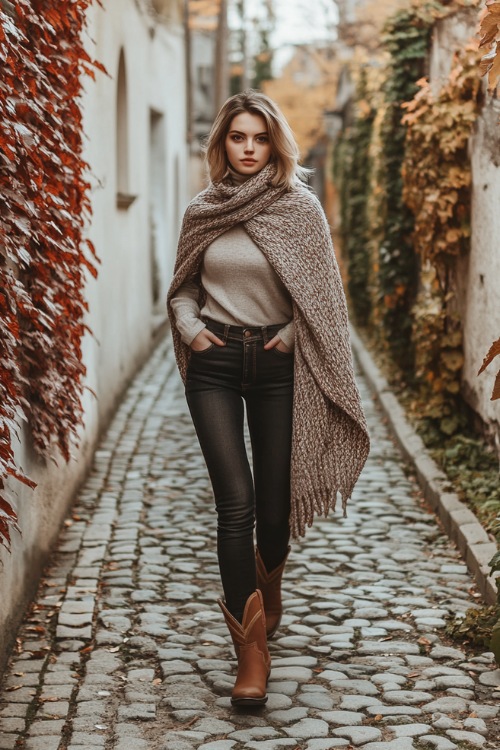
247	143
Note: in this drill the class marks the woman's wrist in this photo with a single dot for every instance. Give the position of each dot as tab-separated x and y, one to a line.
189	329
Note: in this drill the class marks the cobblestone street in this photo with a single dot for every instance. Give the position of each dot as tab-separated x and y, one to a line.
126	648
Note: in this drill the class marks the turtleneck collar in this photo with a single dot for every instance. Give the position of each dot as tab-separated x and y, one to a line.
236	177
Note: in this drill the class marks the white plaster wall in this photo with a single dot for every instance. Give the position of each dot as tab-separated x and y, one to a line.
122	316
482	300
448	36
203	44
121	309
478	283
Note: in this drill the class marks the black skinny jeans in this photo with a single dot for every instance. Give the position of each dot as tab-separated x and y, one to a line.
218	379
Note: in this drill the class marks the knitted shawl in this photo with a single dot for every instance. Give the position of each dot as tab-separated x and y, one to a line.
330	441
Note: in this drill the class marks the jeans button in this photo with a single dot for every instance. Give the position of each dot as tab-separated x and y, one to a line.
247	333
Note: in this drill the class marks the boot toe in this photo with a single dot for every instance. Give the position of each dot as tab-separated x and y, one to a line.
248	702
249	696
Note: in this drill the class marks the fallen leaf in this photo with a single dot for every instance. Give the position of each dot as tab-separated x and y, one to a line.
35	629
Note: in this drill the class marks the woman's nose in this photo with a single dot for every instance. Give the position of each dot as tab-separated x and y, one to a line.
249	146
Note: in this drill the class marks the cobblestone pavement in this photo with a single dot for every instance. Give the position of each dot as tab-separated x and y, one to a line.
125	647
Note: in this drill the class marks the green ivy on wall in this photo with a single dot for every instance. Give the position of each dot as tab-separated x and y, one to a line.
417	232
352	173
376	225
406	38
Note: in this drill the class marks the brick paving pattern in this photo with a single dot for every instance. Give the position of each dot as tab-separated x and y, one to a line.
126	649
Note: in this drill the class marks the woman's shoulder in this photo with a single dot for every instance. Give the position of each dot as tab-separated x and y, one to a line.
195	203
200	197
303	196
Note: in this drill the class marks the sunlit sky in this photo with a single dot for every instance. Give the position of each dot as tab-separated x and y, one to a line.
304	20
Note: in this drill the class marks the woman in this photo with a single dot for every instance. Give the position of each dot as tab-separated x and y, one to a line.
258	316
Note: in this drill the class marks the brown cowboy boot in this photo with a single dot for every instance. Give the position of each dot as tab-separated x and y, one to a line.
270	585
250	645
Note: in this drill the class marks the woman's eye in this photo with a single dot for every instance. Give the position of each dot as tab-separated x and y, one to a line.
263	139
236	138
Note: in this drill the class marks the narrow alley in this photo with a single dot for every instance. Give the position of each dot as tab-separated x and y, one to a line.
125	647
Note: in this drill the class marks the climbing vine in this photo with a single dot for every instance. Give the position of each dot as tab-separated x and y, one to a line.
376	224
43	254
353	175
437	176
413	208
406	38
418	208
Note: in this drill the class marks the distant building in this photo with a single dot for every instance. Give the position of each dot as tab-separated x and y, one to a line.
203	24
304	91
361	22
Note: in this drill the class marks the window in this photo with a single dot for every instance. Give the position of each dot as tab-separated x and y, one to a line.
124	199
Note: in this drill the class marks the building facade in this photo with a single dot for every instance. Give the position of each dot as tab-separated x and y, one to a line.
136	147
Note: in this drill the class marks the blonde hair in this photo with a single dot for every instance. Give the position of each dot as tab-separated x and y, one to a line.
284	149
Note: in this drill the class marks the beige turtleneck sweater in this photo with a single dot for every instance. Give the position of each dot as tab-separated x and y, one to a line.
241	288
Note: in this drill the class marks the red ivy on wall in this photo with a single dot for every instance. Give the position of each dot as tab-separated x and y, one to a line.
44	204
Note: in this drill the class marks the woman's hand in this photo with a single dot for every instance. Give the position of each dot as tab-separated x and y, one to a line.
278	343
204	339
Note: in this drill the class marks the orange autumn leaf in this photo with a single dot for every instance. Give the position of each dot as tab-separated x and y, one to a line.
493	352
490	36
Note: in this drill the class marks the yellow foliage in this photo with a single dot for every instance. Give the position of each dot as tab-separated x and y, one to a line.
308	84
437	177
365	32
436	169
168	9
305	89
203	14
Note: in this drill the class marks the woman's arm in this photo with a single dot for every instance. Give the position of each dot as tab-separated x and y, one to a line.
187	311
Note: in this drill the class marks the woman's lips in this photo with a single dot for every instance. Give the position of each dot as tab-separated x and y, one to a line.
249	161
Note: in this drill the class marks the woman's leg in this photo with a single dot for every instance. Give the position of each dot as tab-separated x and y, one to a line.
217	414
269	409
214	393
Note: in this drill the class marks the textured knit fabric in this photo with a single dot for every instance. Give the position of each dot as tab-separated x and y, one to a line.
241	287
330	440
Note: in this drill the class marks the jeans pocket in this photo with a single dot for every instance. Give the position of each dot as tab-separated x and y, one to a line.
282	354
203	351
